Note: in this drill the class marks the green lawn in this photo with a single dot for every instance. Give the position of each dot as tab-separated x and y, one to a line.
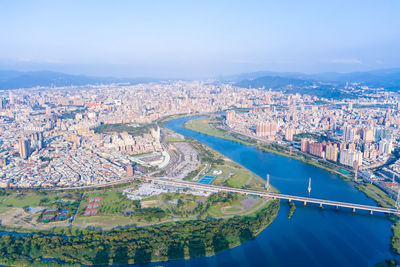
175	139
187	207
29	199
4	208
232	210
202	125
104	220
112	202
238	180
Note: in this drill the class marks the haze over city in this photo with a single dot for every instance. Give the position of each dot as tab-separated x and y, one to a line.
200	133
181	39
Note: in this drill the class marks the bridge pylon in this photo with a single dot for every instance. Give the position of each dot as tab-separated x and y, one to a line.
267	186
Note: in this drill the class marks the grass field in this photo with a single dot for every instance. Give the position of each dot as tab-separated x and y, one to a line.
238	180
174	139
221	209
3	208
202	126
29	199
187	206
104	220
112	202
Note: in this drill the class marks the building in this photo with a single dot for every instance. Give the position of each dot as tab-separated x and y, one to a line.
317	149
351	146
289	132
351	158
305	145
332	152
129	170
349	133
24	148
266	128
267	99
368	135
385	147
230	115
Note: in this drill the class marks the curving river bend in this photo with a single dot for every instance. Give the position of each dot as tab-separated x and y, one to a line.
313	236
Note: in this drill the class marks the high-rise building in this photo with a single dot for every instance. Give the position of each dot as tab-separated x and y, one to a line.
230	115
304	145
289	132
267	99
368	135
351	158
332	151
385	147
11	97
316	149
352	146
349	133
129	170
266	128
24	148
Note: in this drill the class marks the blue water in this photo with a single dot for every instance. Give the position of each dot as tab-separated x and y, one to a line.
313	236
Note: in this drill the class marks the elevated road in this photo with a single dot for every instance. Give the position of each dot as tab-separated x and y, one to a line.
265	194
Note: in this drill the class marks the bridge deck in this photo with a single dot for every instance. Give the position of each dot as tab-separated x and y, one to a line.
215	188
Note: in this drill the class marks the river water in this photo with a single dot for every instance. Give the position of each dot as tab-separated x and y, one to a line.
313	236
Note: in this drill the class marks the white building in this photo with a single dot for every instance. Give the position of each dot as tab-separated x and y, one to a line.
348	157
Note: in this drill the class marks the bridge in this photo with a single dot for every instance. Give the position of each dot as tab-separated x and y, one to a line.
265	194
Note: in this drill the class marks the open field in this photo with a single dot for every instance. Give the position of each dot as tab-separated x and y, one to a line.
202	125
150	203
28	199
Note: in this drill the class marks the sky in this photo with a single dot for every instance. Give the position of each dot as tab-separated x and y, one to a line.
187	39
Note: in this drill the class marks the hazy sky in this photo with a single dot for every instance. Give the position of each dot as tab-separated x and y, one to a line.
199	38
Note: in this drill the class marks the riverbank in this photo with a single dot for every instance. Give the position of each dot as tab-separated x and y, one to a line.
178	240
205	227
202	125
210	127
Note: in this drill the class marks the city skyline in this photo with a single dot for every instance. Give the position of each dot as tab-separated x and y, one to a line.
200	133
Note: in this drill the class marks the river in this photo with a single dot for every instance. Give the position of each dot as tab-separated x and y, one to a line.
313	236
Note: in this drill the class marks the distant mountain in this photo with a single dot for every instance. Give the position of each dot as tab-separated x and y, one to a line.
386	78
15	79
259	74
382	77
274	82
322	85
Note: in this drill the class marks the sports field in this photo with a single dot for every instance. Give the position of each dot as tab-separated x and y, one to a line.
206	179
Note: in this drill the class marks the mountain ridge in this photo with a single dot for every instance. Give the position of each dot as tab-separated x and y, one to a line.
10	79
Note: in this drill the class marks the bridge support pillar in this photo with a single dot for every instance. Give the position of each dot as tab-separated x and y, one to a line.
337	207
305	203
371	212
354	209
290	200
320	205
